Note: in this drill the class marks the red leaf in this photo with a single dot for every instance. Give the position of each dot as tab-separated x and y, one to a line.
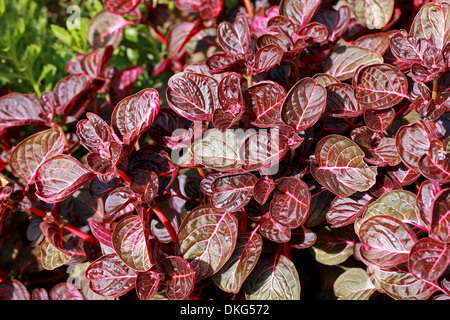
58	178
304	104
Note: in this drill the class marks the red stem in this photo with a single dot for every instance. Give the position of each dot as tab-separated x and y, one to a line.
165	222
70	228
81	234
123	175
244	220
201	172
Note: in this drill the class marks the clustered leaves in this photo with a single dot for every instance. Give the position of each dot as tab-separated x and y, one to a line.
313	135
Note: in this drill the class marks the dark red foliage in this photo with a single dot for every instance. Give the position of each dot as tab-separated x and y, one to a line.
310	131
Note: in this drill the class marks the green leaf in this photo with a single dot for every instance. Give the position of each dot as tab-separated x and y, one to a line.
354	284
51	257
399	204
62	34
31	53
273	279
206	239
241	263
333	246
374	14
130	243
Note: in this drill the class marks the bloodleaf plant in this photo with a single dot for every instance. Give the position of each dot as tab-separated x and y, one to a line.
308	148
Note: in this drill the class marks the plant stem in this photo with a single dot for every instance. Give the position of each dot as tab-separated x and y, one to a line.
70	228
435	88
81	234
248	6
123	175
165	222
244	220
201	172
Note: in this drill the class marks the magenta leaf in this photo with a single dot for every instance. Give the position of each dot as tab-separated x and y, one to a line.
200	234
101	233
208	9
341	101
233	274
379	150
432	22
231	102
440	215
402	174
304	104
265	100
235	39
401	285
263	189
94	132
413	141
193	96
408	48
13	290
343	173
378	42
302	238
130	243
435	165
95	62
181	277
18	109
345	211
232	192
425	196
65	291
35	150
122	83
145	183
147	284
263	151
300	12
291	202
106	29
273	230
380	86
58	178
71	95
267	57
344	61
110	277
135	114
428	259
275	278
386	241
379	120
121	6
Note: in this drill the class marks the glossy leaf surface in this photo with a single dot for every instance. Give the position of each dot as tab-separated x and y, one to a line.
343	173
201	234
273	279
233	274
58	178
29	154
